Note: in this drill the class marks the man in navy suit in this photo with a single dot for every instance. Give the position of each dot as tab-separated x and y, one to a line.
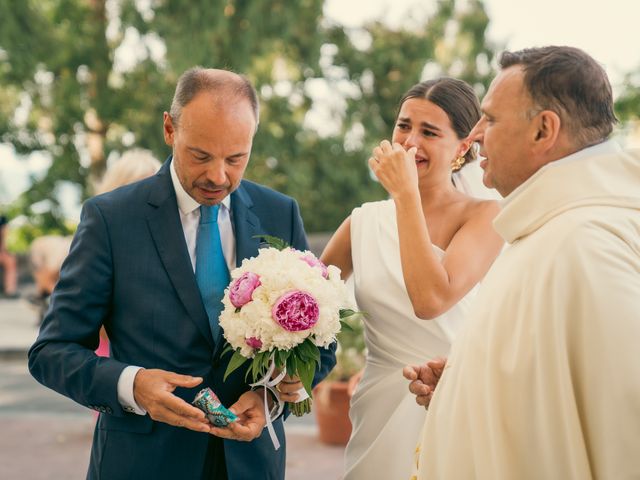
131	268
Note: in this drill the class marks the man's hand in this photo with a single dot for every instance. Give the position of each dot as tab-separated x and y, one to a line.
424	379
288	388
251	420
152	390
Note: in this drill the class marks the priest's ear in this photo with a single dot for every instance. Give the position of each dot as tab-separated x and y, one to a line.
546	130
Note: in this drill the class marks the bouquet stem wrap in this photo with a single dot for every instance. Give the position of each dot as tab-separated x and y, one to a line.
267	383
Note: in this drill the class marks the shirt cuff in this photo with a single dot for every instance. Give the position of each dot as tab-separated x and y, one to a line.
125	391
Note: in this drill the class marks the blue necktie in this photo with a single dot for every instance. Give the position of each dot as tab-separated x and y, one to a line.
212	274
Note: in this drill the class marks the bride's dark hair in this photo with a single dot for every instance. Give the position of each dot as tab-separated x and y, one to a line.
456	98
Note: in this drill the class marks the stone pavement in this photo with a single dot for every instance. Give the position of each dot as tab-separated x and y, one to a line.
47	436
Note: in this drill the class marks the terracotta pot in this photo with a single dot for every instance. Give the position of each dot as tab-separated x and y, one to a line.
331	406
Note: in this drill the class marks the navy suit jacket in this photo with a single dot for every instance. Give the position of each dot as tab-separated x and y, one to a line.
129	270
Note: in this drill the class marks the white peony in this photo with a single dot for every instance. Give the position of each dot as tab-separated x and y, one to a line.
282	272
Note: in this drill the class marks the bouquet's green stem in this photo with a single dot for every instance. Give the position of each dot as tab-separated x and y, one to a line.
300	408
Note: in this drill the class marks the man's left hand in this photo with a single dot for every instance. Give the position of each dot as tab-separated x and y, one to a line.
251	420
288	388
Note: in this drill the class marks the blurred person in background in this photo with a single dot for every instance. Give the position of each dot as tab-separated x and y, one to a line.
46	254
8	263
132	166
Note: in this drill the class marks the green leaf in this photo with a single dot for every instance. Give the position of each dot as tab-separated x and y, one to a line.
228	348
257	366
304	350
281	358
236	361
347	312
316	354
265	361
292	363
306	371
303	367
309	351
253	369
344	326
274	242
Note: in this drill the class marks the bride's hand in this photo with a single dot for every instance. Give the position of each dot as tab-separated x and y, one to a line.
395	167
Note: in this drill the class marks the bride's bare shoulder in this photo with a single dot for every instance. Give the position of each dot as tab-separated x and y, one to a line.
476	209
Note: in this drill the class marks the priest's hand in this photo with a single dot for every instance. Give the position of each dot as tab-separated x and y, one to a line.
424	379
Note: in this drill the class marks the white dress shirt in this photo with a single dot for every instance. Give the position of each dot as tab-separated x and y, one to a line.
190	218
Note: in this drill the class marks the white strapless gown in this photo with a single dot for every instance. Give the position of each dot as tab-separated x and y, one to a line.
386	419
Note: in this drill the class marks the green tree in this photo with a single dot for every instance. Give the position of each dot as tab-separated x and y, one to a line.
277	46
62	97
450	42
81	105
627	105
81	80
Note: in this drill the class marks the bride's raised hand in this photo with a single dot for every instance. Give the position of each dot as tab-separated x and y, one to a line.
395	168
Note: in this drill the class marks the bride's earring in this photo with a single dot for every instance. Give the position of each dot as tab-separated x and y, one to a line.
457	163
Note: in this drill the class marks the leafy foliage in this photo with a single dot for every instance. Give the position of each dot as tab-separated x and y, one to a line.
627	105
350	355
83	80
301	361
274	242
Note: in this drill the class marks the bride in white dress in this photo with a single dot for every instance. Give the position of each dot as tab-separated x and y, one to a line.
415	259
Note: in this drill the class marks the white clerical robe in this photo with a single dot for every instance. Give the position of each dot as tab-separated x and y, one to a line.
543	382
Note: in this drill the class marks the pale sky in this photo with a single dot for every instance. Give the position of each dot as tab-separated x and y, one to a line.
606	29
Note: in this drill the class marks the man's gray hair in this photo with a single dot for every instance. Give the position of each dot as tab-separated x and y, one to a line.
199	79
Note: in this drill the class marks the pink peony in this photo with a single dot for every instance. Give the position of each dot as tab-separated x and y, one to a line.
253	342
242	288
296	311
312	261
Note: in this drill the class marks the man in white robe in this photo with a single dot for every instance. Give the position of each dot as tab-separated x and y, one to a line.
544	381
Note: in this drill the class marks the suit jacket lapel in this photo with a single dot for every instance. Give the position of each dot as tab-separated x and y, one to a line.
246	225
166	230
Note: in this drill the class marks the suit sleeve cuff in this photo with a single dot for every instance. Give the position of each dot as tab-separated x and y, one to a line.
276	408
125	391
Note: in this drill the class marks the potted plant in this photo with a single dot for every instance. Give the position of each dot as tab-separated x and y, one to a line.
332	396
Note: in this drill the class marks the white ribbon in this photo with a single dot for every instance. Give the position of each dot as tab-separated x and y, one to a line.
268	384
302	395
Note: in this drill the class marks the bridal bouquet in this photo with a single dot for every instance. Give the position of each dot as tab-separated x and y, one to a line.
279	308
